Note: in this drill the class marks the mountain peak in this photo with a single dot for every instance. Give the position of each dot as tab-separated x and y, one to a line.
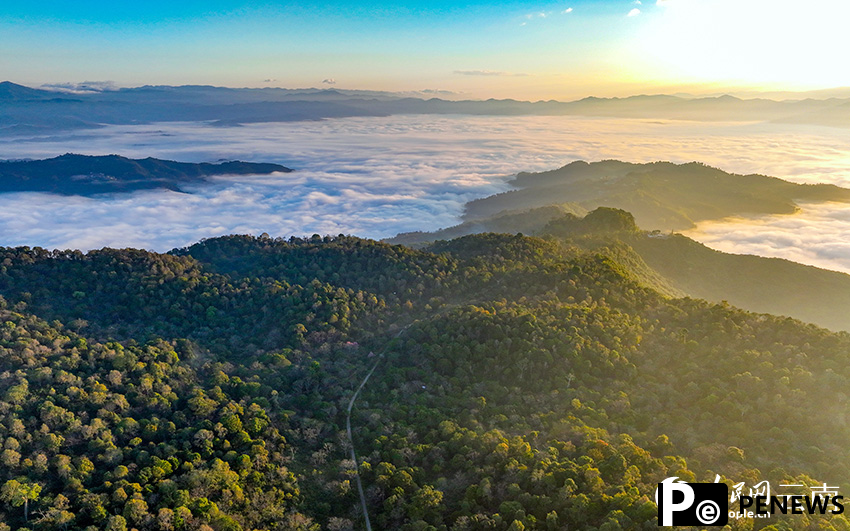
12	91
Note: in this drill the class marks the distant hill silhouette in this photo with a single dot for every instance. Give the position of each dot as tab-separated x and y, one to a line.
26	110
13	92
72	174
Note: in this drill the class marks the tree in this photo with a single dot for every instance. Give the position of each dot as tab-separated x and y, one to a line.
135	511
18	493
116	523
58	516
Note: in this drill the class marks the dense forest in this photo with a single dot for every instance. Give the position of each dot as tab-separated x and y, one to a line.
521	383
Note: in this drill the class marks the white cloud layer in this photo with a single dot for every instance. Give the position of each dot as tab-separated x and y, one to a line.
375	177
817	235
86	87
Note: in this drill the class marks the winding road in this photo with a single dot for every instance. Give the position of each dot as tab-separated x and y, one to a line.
351	442
351	439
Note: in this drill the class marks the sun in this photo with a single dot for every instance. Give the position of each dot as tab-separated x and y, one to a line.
777	43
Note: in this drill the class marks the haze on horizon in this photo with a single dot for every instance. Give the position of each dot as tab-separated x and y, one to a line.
518	49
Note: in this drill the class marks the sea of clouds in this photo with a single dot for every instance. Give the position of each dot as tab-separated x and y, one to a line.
818	235
375	177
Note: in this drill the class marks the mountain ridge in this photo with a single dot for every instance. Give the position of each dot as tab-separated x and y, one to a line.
29	110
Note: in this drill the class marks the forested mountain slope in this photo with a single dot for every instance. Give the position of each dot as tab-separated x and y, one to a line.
661	195
676	264
668	196
525	384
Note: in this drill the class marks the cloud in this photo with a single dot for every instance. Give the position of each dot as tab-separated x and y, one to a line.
439	91
539	14
433	93
329	81
638	3
567	11
86	87
489	73
817	235
634	12
375	177
663	2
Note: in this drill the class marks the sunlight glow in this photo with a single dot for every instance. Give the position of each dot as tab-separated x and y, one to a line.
754	42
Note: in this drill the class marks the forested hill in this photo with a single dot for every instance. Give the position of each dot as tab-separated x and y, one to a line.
677	265
72	174
524	383
661	195
668	196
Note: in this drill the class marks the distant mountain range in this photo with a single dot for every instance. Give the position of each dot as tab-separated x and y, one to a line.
86	175
25	110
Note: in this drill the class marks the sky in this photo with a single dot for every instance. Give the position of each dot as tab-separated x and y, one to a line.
525	50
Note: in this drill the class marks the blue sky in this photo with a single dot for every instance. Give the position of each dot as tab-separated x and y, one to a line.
526	50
